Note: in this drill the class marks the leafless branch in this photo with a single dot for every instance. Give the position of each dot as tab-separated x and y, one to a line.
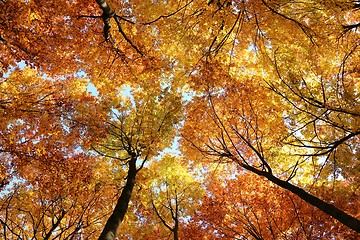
168	15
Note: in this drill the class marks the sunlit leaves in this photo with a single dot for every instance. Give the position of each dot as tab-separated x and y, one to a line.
248	207
168	196
272	85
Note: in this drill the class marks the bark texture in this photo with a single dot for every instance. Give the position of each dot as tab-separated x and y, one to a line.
108	13
113	223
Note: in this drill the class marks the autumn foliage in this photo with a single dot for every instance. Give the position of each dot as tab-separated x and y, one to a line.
187	119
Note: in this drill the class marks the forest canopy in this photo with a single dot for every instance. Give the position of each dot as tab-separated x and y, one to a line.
187	119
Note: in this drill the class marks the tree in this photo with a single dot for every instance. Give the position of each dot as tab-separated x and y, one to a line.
235	208
48	209
142	126
45	173
172	195
271	86
239	133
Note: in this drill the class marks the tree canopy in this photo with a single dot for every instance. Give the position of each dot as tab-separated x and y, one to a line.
187	119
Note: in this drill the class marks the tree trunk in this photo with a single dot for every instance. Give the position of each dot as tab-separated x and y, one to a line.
107	10
176	230
112	224
330	209
108	13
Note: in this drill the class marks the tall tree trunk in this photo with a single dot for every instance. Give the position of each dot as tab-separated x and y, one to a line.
176	218
330	209
176	230
112	224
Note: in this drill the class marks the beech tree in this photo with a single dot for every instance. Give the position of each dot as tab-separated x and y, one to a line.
141	127
245	213
248	95
173	194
